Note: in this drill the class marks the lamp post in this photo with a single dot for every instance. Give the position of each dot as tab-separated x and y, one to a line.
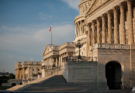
131	73
79	46
92	52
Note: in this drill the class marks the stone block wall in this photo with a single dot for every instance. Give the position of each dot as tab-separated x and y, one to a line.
77	72
122	56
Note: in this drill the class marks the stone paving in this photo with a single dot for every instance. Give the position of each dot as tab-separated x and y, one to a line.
57	84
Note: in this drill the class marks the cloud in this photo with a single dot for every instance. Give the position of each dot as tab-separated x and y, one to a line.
44	16
26	43
72	3
60	32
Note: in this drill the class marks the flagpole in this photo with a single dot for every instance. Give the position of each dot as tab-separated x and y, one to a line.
50	30
51	38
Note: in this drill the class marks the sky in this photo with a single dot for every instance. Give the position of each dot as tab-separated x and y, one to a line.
24	28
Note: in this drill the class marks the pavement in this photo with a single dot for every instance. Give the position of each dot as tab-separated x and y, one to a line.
58	84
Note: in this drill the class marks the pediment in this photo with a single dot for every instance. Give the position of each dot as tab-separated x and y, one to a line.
95	4
47	49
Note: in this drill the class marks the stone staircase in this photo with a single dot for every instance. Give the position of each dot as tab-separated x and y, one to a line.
55	83
54	72
58	84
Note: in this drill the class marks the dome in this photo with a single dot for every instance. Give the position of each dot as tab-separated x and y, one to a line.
84	5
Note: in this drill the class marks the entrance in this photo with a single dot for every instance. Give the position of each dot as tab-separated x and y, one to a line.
113	75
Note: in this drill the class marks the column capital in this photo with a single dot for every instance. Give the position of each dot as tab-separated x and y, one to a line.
115	8
109	11
103	15
122	4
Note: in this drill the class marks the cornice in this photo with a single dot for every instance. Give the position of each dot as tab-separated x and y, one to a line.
79	18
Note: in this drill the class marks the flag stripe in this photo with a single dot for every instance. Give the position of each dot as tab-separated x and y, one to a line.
50	29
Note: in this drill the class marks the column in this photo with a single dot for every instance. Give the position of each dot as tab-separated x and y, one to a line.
109	28
115	26
20	74
75	30
134	22
103	29
130	22
88	39
23	73
122	25
59	60
98	31
17	72
93	33
79	28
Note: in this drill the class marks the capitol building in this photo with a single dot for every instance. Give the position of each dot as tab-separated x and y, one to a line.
105	30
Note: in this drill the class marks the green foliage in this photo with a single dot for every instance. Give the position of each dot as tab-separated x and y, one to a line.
4	79
4	87
11	76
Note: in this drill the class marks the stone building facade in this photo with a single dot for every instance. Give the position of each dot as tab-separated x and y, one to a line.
53	57
106	31
108	28
27	71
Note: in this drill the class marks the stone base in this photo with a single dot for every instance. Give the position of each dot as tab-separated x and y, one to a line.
84	72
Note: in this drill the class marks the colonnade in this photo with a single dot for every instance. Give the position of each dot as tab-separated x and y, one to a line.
27	70
79	28
113	27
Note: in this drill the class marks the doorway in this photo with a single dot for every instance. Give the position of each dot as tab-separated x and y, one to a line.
113	75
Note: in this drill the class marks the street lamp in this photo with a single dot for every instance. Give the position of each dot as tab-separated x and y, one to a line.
92	52
79	46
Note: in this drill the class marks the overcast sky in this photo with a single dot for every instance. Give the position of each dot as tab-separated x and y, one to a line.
24	28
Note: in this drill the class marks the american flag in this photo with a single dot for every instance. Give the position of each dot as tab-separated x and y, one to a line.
50	29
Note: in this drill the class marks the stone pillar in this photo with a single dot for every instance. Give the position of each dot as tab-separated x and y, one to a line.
130	22
109	28
103	29
23	74
77	28
115	26
88	39
91	37
134	23
17	74
80	31
98	31
59	60
122	25
93	33
75	31
20	74
82	27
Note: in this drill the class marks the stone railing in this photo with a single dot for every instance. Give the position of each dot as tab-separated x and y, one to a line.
83	58
112	46
54	71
